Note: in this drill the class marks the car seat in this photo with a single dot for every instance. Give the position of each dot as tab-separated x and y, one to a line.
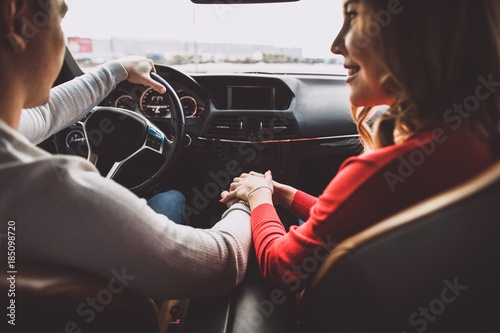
434	267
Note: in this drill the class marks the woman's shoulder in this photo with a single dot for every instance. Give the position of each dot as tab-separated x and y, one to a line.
438	144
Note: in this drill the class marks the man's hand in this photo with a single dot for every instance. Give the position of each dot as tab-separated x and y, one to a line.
139	69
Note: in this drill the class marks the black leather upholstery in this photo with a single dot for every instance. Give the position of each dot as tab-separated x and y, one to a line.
50	299
433	268
252	307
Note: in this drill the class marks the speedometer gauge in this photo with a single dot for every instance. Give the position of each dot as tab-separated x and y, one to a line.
189	106
154	104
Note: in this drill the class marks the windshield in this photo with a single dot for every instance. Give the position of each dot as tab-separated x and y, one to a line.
276	38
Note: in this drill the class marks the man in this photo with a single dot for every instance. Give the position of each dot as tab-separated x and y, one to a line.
66	214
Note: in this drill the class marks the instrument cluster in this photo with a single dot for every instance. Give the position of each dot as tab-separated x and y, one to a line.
152	104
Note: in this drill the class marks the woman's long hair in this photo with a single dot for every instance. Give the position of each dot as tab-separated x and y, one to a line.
436	53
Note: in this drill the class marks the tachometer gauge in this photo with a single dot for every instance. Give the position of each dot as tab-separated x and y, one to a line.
154	104
125	102
189	106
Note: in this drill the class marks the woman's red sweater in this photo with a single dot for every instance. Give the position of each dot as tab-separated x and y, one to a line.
367	189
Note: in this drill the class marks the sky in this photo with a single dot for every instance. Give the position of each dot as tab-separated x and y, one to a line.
309	24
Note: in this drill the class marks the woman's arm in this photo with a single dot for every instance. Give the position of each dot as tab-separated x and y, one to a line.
289	259
301	204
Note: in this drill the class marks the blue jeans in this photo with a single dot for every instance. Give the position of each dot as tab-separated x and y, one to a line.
170	204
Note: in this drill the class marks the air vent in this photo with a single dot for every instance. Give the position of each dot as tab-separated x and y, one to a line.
227	126
279	126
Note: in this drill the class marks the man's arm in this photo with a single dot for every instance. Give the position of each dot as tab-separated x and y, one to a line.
70	101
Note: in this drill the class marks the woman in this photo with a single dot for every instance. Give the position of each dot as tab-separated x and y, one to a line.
437	65
66	214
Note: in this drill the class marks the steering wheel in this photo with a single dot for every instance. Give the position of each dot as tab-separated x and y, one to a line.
126	147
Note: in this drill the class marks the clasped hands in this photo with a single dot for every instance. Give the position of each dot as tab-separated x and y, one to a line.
254	188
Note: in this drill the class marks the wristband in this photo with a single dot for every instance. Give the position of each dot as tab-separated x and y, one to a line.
257	188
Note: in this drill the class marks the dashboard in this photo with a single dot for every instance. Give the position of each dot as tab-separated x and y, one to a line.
257	119
248	107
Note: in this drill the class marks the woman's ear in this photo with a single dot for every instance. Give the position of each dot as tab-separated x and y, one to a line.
13	14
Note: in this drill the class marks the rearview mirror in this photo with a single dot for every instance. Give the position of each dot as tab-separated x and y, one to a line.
235	2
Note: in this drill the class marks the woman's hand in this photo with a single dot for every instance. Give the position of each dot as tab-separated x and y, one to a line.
282	194
252	187
139	69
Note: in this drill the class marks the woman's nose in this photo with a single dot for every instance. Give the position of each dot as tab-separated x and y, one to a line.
338	45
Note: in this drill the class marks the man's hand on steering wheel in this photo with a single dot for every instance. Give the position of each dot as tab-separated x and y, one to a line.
139	69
